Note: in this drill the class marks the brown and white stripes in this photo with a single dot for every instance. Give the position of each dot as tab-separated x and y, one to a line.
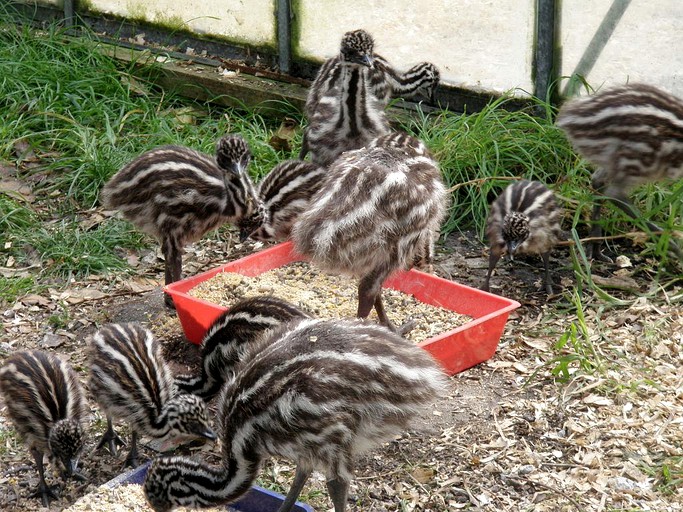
131	382
316	392
384	82
378	211
47	406
231	336
177	194
524	219
282	195
633	134
347	116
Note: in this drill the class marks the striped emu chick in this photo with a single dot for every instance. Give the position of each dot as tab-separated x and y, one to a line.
633	134
282	195
384	82
131	382
377	212
524	219
177	195
317	392
47	406
230	337
348	115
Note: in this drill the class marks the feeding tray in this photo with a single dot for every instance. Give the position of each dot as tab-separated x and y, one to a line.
456	350
257	499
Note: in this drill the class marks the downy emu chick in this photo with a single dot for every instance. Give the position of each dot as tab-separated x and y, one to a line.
524	219
177	195
347	116
377	212
47	406
633	134
282	195
131	382
384	82
230	337
317	392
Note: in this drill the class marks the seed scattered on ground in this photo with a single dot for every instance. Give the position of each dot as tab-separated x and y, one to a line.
124	498
327	296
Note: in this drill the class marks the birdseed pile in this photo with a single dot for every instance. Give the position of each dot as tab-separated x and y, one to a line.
124	498
327	296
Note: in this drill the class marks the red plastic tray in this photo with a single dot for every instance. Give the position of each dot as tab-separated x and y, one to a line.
456	350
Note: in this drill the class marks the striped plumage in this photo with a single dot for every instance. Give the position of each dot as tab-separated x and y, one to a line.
378	211
524	219
131	382
419	82
177	195
347	115
47	406
633	134
315	392
282	195
230	337
384	82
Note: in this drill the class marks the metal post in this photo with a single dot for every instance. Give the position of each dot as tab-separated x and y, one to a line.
544	57
596	45
69	13
284	35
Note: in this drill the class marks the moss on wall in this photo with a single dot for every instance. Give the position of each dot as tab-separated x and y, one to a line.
295	6
138	14
136	11
82	5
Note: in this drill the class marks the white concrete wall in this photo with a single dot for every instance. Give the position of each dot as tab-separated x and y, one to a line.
250	21
646	46
477	44
484	45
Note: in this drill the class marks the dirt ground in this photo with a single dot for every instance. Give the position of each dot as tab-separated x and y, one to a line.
508	435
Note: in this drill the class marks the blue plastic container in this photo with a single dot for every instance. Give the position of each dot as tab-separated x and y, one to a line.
257	499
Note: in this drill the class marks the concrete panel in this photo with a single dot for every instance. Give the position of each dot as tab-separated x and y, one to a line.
646	45
249	21
483	45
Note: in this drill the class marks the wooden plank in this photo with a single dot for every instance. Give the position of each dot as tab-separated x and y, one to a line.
205	82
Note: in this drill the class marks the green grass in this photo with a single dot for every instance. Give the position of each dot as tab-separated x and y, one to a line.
80	116
668	475
481	152
13	215
11	288
68	250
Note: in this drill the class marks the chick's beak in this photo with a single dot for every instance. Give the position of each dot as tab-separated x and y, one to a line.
244	234
208	434
366	60
512	247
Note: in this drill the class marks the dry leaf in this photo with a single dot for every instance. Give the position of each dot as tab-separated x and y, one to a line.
423	475
597	400
52	340
33	299
16	189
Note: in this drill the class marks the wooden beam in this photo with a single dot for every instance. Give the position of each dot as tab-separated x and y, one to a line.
203	81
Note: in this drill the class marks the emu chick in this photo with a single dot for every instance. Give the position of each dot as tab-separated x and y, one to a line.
524	219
